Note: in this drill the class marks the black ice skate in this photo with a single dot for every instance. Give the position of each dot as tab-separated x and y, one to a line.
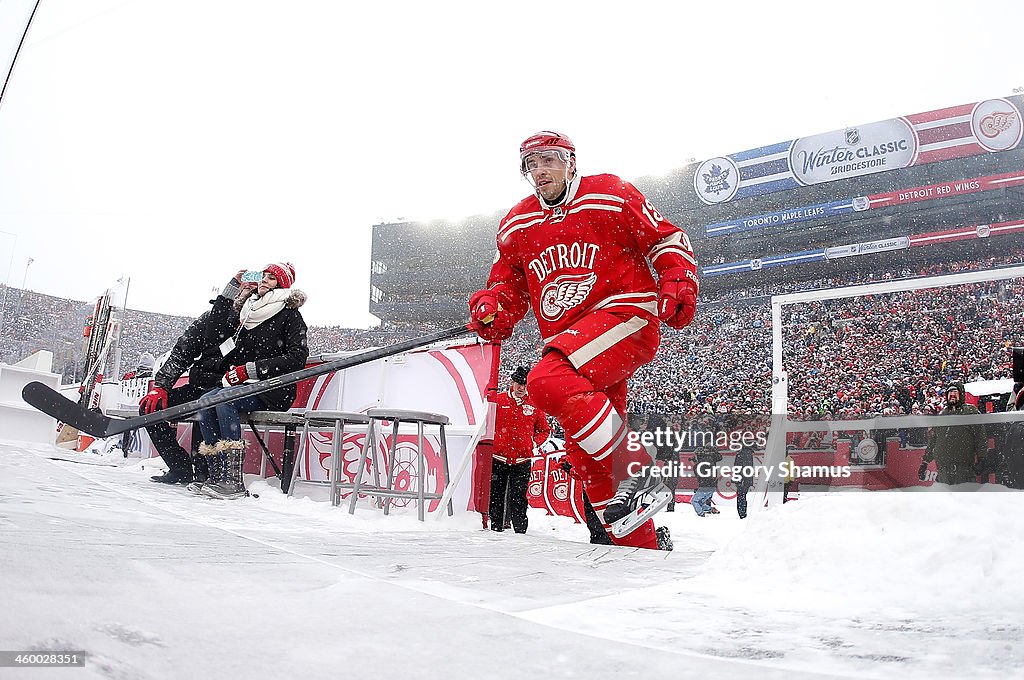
637	500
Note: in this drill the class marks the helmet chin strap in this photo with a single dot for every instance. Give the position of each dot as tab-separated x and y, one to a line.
561	198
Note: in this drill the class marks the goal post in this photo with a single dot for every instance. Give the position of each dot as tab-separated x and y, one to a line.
768	491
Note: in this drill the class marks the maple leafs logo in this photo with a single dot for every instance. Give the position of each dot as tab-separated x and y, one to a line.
565	293
717	180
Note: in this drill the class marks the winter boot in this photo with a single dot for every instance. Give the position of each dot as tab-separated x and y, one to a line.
664	538
200	470
172	477
232	454
210	461
637	499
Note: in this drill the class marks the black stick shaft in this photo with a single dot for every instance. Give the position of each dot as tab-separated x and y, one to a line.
53	403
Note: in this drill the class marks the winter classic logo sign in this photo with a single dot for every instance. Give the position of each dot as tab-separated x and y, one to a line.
716	180
996	125
866	149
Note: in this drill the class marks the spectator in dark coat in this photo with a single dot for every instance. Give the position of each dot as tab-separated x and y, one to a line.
959	451
196	351
704	462
744	459
666	454
270	341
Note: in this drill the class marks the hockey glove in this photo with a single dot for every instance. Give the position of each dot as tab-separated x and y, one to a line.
155	400
237	375
490	321
677	296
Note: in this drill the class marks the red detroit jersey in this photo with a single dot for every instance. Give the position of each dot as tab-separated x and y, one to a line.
590	253
518	427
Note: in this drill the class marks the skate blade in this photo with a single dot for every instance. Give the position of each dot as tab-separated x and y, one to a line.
654	501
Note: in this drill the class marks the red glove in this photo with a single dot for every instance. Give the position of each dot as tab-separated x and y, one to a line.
490	321
237	375
155	400
677	296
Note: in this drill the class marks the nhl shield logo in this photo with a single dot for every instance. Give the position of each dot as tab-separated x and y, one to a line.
852	136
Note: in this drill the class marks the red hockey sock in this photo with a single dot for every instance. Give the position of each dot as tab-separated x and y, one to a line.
601	484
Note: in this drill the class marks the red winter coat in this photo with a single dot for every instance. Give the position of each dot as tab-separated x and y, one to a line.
518	427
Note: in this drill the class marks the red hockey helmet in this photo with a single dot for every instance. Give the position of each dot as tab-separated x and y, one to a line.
545	141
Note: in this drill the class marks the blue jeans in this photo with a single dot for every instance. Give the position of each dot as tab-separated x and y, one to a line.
225	421
701	500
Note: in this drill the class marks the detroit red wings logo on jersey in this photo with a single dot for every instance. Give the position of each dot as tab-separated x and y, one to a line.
565	293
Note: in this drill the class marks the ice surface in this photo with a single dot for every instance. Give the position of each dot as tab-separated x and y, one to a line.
153	582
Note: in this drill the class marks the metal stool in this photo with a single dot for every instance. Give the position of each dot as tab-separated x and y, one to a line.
277	420
317	420
397	417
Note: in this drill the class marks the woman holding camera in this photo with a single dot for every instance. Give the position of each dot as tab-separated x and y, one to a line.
270	340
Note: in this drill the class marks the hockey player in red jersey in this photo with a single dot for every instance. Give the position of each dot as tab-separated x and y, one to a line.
579	252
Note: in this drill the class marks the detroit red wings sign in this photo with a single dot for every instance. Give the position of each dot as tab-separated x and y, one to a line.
565	293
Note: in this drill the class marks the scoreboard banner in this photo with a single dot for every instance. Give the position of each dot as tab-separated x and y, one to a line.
978	231
818	211
988	126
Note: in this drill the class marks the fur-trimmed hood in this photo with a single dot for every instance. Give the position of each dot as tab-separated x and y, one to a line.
296	299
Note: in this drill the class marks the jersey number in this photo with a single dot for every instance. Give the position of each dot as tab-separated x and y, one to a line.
651	213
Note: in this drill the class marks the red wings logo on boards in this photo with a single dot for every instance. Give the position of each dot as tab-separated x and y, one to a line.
565	293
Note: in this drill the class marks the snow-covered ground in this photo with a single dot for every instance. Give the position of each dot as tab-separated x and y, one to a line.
153	582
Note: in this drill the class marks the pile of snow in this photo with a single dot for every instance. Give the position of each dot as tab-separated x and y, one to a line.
886	550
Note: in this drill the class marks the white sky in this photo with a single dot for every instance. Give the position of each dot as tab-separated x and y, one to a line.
178	142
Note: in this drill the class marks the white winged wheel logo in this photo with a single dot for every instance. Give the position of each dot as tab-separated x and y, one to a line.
564	293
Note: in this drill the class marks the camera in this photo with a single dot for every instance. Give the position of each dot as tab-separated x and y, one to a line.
252	277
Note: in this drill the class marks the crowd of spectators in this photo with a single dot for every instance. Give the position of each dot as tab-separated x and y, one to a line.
30	321
879	354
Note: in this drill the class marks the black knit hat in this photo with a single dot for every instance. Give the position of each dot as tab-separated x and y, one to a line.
519	375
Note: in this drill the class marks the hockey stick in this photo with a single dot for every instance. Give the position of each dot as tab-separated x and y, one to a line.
52	403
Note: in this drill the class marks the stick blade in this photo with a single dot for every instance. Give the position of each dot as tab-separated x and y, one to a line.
53	403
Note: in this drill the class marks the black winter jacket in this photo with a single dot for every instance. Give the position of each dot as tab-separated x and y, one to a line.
277	346
706	459
198	349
